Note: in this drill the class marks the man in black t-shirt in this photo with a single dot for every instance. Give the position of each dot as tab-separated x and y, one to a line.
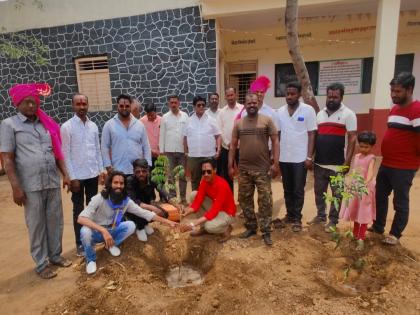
143	192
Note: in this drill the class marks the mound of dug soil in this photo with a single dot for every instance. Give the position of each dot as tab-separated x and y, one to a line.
301	273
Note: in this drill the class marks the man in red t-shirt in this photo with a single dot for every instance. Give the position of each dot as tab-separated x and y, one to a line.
214	203
401	157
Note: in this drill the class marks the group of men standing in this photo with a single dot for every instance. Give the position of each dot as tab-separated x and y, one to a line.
252	140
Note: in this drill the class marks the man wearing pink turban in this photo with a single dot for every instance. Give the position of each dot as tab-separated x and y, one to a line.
31	149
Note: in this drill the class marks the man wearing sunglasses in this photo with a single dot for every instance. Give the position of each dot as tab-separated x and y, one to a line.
214	204
124	139
201	140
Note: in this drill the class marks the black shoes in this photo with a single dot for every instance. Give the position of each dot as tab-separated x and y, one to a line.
247	234
267	239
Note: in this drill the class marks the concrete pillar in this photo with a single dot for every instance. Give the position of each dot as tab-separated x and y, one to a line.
383	65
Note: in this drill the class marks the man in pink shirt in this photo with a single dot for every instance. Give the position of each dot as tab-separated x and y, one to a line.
152	123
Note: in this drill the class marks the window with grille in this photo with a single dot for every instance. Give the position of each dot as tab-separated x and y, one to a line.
240	76
93	81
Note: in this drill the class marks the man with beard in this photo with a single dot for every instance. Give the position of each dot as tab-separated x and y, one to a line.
401	158
171	142
124	139
102	219
83	158
297	128
213	110
335	121
255	169
142	191
225	122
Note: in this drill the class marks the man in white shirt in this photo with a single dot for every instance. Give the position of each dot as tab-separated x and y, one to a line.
225	122
297	128
201	140
213	110
82	154
171	138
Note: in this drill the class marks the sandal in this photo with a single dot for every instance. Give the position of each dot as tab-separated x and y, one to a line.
360	245
47	273
226	235
63	262
390	240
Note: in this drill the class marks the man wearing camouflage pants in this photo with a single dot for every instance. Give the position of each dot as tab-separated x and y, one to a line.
255	169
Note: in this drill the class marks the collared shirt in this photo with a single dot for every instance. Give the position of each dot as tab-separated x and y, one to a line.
125	144
200	133
82	152
172	131
213	114
331	137
294	132
225	122
152	128
31	143
99	211
221	195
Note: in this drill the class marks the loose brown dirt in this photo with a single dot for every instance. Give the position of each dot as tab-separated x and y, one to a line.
302	273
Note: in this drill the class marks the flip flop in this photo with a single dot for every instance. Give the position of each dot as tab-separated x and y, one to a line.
390	240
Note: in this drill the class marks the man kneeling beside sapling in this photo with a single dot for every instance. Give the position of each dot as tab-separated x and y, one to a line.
102	219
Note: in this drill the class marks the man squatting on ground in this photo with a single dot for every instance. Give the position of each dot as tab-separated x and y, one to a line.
31	148
214	204
102	219
142	191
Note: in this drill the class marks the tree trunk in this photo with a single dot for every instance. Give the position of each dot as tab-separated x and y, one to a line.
291	21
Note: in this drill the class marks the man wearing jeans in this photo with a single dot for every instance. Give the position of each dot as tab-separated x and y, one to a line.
82	154
297	127
401	157
171	140
335	122
102	219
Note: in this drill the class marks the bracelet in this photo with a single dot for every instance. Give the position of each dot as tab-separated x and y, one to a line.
309	158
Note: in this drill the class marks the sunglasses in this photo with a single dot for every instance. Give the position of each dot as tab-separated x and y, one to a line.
200	105
208	172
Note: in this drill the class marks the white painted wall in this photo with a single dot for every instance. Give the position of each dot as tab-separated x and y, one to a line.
61	12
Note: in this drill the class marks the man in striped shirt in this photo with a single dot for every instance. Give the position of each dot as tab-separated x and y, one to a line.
335	122
401	157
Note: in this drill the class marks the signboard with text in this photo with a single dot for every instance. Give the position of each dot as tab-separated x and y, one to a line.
348	72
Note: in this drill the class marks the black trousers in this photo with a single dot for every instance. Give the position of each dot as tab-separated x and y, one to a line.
294	181
399	181
139	222
322	180
223	165
88	189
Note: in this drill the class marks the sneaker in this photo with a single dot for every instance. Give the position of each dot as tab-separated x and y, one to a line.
114	251
91	267
267	239
317	220
80	251
141	235
149	230
330	227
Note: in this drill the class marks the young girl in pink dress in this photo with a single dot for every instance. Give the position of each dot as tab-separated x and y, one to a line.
362	211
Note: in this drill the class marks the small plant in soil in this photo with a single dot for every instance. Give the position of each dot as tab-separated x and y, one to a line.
160	174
